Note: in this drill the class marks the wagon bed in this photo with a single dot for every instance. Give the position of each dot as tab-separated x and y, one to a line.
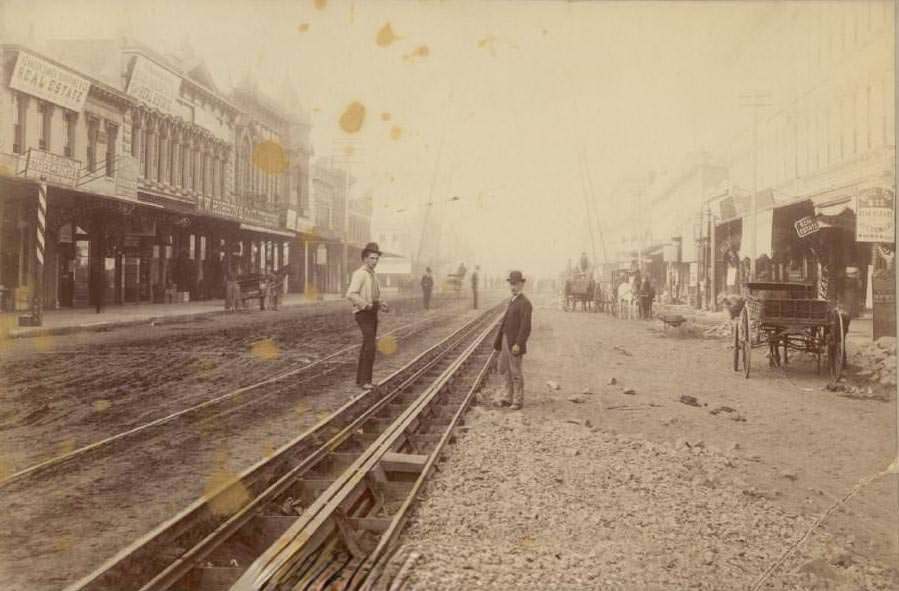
788	317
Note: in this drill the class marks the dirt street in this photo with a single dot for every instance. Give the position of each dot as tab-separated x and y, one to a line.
614	481
64	392
61	526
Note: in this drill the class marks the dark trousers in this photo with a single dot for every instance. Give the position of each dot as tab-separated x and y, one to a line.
368	323
426	296
474	293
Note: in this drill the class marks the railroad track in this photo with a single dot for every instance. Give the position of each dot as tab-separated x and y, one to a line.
322	499
224	404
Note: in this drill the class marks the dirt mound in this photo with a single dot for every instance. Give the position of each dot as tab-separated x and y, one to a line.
876	362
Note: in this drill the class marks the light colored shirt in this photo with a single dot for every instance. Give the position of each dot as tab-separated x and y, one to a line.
364	289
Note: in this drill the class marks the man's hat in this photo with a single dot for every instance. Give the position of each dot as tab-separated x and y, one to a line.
515	277
371	247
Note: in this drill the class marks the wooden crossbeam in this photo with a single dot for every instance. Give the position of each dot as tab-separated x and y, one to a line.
399	462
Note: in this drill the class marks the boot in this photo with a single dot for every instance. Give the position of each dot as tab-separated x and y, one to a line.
517	397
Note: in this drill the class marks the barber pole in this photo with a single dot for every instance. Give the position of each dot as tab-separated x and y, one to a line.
40	249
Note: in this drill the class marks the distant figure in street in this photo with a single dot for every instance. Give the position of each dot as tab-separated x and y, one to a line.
365	294
647	295
512	341
232	289
584	262
474	286
427	286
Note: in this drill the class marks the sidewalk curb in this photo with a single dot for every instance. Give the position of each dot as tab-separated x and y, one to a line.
26	333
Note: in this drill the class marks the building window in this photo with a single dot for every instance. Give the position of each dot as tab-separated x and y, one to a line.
46	111
19	114
93	129
222	176
112	132
69	120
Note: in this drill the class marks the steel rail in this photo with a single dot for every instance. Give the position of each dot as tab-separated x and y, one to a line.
299	541
46	464
367	572
368	405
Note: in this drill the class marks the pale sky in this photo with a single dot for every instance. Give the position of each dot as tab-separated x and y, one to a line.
513	90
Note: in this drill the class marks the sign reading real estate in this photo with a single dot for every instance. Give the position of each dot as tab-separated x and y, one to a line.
154	85
44	80
52	168
806	226
874	216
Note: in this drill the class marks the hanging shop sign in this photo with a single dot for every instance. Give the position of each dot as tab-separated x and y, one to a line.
321	255
694	274
44	80
154	85
52	168
806	226
874	216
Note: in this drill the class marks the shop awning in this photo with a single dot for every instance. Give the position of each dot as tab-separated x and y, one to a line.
263	230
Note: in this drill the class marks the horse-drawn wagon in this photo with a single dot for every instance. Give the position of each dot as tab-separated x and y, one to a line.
788	317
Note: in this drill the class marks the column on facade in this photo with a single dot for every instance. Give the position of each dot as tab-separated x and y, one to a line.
152	148
136	133
214	170
165	132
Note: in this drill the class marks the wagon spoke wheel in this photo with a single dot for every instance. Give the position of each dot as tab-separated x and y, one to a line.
745	340
836	346
735	327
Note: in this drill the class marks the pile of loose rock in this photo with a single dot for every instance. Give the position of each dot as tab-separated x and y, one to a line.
522	504
877	361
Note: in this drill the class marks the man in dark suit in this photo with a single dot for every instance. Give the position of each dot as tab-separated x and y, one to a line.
512	341
474	287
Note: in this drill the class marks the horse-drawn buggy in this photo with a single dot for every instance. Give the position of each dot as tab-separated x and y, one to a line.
581	288
454	281
788	317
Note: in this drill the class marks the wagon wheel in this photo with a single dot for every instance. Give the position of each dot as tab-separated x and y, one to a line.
745	340
836	344
820	342
735	326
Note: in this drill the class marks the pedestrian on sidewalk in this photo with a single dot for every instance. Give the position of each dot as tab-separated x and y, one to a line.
474	286
512	341
647	295
365	294
232	289
427	286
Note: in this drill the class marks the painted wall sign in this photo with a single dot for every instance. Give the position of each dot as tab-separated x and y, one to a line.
44	80
240	212
51	167
806	226
154	85
874	220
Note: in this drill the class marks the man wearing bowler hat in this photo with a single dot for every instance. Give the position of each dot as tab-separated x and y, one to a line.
512	341
365	294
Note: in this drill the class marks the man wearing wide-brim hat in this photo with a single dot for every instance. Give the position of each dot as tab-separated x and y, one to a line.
365	294
512	341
